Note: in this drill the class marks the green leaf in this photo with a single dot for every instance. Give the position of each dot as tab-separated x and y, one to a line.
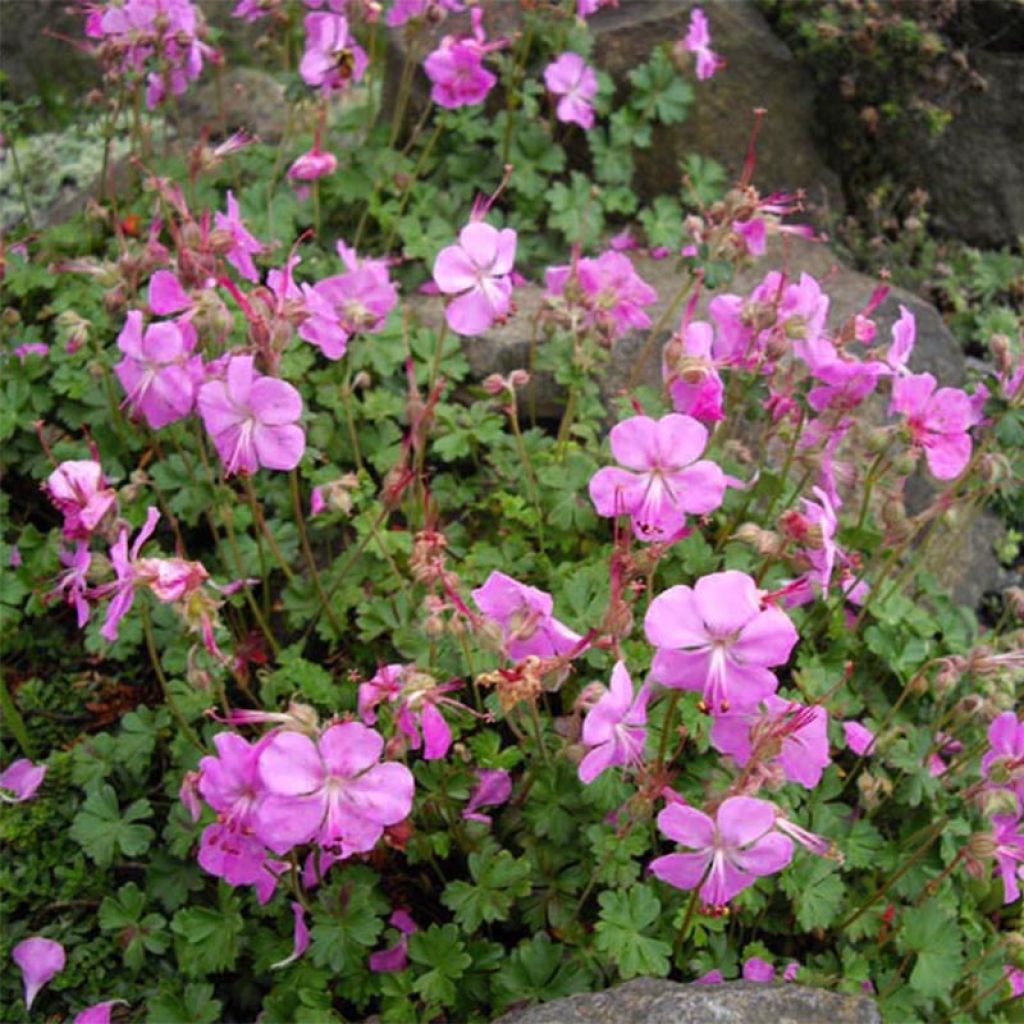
208	938
440	949
538	970
931	932
101	830
816	890
192	1005
138	932
624	917
498	879
342	932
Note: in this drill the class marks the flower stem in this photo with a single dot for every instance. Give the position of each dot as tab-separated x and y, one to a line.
307	551
172	705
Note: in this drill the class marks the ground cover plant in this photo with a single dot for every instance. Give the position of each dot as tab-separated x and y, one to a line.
336	683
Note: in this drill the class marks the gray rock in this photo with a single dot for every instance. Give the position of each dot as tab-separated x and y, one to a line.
235	99
654	1001
761	72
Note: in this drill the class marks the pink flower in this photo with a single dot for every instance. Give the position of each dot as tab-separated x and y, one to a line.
477	271
613	294
1009	853
494	787
938	422
332	58
794	735
432	11
574	82
690	369
756	969
727	854
98	1013
753	233
316	163
252	419
39	959
23	779
524	614
122	590
166	294
716	638
335	791
1015	977
154	371
714	977
396	958
244	245
456	68
31	348
1003	763
81	494
300	942
357	301
698	41
904	333
664	478
615	727
859	739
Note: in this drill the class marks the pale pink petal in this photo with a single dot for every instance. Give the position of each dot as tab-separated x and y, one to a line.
634	443
765	857
454	272
682	870
437	736
350	748
767	639
673	620
290	765
726	601
687	826
39	959
279	447
166	294
743	819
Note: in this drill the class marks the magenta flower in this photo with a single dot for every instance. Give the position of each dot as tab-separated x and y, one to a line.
154	371
244	245
300	941
1008	840
664	478
756	969
1003	763
316	163
98	1013
332	58
122	590
615	728
717	639
690	369
612	293
477	271
39	959
698	42
252	419
22	778
456	68
494	787
713	977
904	334
524	615
727	854
792	734
335	791
166	295
82	495
859	738
572	80
355	302
396	958
938	422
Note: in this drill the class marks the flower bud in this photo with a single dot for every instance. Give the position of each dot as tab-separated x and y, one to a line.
998	801
903	465
982	846
1015	600
994	468
876	440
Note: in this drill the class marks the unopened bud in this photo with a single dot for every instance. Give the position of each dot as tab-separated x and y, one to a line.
192	236
1002	353
994	468
903	465
1015	601
361	381
519	378
11	317
876	440
494	384
982	846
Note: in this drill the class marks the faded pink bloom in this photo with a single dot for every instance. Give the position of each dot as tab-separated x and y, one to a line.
31	348
1009	853
698	42
524	614
791	971
39	959
332	58
82	495
22	778
166	294
245	245
155	369
98	1013
477	271
615	728
456	68
727	854
717	639
1015	977
904	333
714	977
252	419
663	479
356	302
494	787
335	792
858	738
794	735
301	937
938	422
690	369
1003	763
585	8
432	11
753	233
396	958
613	294
316	163
572	80
123	560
